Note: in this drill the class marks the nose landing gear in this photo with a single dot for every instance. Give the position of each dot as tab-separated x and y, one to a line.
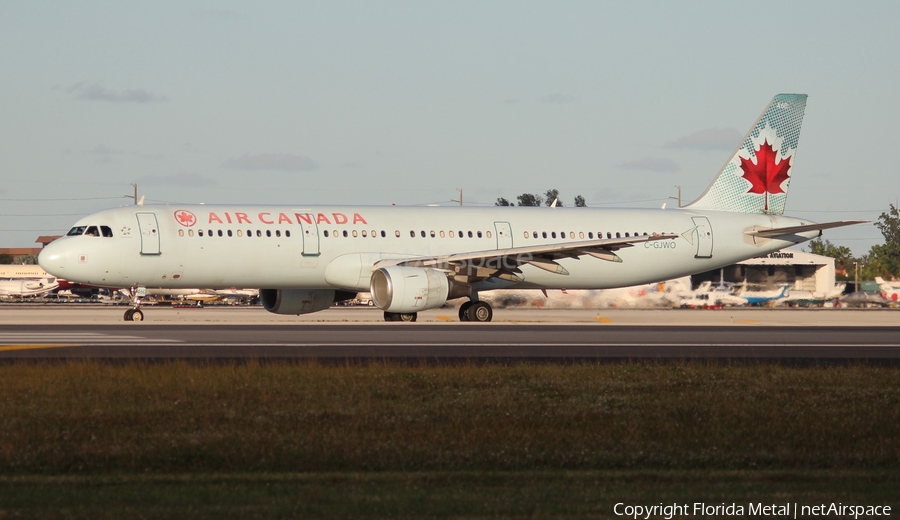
136	314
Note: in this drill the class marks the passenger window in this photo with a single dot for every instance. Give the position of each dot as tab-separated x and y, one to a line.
269	233
544	234
423	233
220	232
451	234
106	231
229	232
325	233
364	234
590	234
608	234
461	234
75	231
534	234
287	233
373	233
258	233
489	234
181	232
384	235
240	233
412	234
526	234
190	232
627	235
278	233
553	234
92	232
397	233
581	234
432	233
345	234
572	234
442	234
479	234
209	233
618	235
200	232
470	234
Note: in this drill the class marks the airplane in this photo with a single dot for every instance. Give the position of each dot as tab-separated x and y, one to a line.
889	290
709	295
762	297
22	287
305	258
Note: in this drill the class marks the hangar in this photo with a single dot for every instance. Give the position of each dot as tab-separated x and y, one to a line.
803	273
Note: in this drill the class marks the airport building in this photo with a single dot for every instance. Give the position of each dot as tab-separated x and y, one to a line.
801	271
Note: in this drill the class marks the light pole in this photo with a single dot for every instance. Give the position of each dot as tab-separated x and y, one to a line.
133	196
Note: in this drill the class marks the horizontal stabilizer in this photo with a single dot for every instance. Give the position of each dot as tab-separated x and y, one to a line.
792	230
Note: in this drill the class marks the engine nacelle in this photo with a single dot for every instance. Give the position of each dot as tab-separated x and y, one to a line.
409	289
298	301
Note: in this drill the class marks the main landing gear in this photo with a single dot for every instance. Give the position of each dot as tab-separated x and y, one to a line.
476	311
400	316
136	314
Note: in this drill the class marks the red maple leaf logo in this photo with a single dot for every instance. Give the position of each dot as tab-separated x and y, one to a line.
765	176
185	218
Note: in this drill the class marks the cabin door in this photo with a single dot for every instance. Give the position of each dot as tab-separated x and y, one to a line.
504	235
149	233
310	236
704	237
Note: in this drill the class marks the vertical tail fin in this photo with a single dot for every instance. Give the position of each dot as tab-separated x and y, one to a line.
756	178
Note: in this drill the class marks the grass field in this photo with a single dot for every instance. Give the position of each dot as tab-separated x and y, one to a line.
158	440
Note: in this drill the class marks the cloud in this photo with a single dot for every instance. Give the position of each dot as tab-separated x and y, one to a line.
179	179
557	99
97	93
351	164
709	139
272	161
651	164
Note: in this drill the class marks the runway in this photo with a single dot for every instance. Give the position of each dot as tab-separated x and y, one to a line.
608	335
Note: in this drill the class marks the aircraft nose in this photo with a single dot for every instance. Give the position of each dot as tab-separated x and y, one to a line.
53	258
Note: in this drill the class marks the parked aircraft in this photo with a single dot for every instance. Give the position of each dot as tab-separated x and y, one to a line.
416	258
756	297
889	290
27	287
709	295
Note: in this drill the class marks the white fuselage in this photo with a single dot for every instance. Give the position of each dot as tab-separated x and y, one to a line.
307	247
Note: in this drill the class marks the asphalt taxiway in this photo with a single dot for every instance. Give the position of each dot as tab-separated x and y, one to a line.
216	333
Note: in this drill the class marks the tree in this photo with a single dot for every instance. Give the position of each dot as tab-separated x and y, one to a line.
6	259
503	202
552	195
527	199
887	256
843	256
25	259
579	202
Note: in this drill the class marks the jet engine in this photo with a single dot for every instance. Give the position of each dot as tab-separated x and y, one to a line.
409	289
300	301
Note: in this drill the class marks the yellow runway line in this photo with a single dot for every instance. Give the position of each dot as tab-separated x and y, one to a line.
32	347
602	319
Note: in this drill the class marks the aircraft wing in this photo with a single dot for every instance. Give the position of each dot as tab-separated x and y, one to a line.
505	263
780	232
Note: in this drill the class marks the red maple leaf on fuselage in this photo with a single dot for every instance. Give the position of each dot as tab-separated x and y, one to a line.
186	218
765	176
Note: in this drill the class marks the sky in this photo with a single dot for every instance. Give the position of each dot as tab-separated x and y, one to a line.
407	102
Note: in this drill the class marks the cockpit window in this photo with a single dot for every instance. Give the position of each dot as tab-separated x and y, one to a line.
75	231
106	231
92	231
